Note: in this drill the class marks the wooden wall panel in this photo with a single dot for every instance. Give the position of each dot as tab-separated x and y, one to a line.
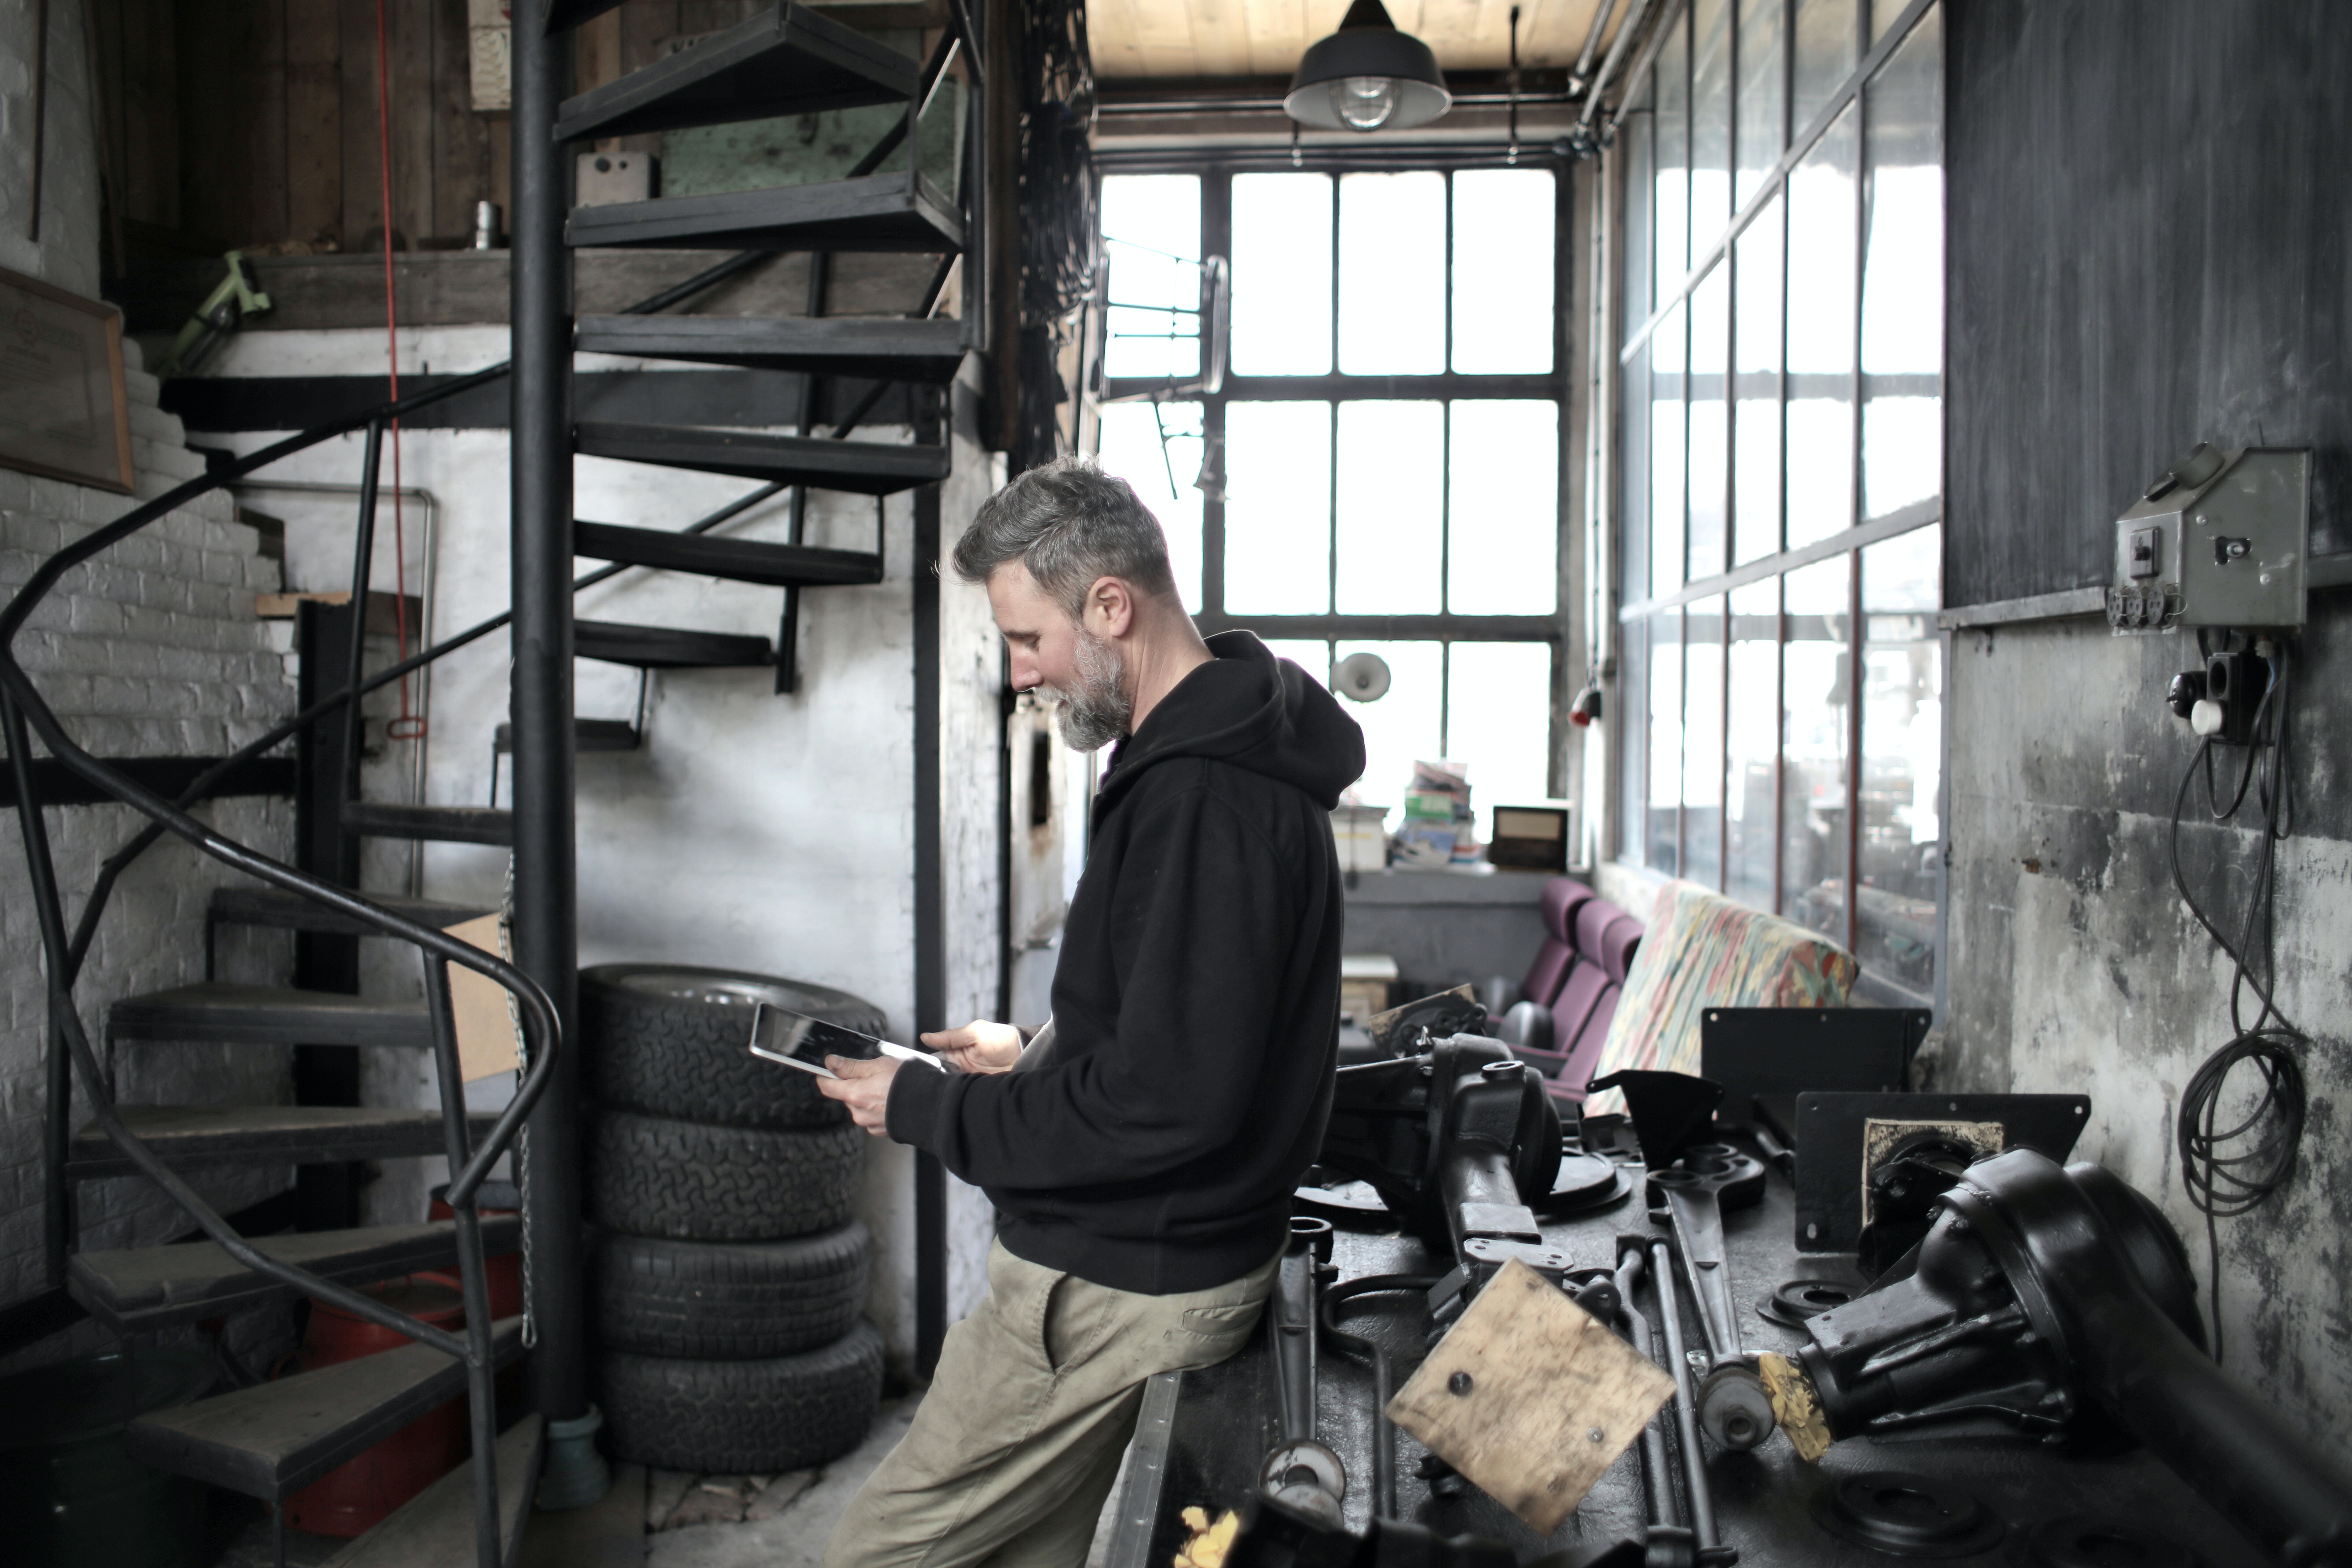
461	137
362	172
408	45
151	112
314	124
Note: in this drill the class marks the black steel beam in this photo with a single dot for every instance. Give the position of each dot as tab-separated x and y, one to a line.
546	874
60	785
931	927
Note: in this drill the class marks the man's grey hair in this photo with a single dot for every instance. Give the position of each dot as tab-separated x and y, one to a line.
1069	524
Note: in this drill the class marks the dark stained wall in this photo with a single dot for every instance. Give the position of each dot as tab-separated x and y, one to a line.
2150	245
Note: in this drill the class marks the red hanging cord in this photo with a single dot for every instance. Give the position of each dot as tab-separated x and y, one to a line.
408	726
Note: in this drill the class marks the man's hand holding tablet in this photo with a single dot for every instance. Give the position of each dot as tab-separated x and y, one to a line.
851	1068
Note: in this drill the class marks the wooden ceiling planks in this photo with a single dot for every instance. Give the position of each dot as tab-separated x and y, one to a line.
1214	38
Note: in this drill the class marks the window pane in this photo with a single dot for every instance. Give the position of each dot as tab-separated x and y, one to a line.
1710	352
1391	513
1666	427
1151	233
1710	121
1392	274
1633	757
1901	758
1703	743
1825	55
1162	481
1312	655
1403	726
1641	193
1282	274
1762	94
1673	176
1751	707
1755	415
1903	275
1815	692
1278	508
1503	528
1883	14
1498	720
1634	473
1503	224
1665	772
1821	336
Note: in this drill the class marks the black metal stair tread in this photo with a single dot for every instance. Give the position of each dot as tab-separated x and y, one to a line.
137	1288
741	560
664	647
434	1529
443	823
789	60
876	212
274	1438
587	735
192	1137
291	912
267	1015
895	348
864	467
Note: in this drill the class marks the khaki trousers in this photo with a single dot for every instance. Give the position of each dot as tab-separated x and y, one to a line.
1015	1446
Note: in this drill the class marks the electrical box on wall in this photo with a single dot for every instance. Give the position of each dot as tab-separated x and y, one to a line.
2219	540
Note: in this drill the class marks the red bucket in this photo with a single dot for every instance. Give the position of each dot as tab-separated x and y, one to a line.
353	1497
503	1273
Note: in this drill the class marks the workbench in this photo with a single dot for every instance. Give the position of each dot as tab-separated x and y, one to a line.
1203	1434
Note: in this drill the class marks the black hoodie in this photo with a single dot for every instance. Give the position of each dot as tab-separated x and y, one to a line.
1196	1006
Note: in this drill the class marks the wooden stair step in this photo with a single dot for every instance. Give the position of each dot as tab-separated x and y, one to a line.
786	61
217	1011
274	1438
441	824
206	1137
863	468
872	212
138	1288
276	908
877	348
434	1529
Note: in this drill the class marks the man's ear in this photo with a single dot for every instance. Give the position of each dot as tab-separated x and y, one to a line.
1110	608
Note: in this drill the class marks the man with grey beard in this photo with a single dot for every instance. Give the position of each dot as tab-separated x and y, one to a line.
1142	1149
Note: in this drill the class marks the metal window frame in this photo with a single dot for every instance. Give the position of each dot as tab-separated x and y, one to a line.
1446	388
1721	251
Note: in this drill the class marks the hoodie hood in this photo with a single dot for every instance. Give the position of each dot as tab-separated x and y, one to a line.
1250	709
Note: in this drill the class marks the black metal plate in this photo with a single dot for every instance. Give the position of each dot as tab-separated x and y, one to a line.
1788	1050
1828	1146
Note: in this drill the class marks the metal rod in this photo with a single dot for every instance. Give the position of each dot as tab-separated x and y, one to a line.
347	780
1626	32
1592	40
472	1282
1656	1480
1702	1498
546	892
930	924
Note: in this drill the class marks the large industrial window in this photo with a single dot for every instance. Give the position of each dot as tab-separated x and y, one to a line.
1778	406
1379	470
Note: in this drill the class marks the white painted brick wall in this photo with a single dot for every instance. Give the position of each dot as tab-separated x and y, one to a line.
151	648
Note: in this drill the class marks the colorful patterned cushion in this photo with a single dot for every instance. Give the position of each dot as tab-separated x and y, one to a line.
1703	951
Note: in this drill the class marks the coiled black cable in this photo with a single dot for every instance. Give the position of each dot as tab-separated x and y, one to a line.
2234	1170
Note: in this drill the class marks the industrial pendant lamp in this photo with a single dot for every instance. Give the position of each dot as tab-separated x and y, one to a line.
1367	76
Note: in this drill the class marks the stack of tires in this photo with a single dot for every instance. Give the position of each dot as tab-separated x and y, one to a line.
725	1274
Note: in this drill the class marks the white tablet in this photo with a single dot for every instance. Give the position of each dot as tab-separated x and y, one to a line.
799	1041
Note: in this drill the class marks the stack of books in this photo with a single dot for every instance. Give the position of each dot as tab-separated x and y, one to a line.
1439	828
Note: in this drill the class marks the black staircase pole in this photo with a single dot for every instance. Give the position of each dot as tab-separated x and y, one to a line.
546	882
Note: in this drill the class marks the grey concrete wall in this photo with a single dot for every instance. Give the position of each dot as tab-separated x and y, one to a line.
2075	968
152	649
1445	927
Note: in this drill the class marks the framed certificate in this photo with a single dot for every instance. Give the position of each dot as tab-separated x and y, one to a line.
63	412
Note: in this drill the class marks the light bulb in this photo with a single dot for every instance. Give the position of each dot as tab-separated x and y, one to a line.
1364	103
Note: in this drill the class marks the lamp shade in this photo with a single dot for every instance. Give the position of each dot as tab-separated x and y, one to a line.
1367	76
